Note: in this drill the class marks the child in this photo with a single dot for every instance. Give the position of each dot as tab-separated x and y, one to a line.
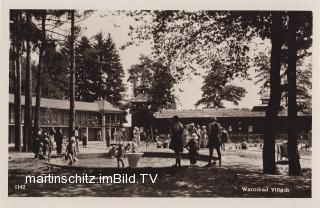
193	148
119	154
46	146
159	142
71	151
112	151
127	148
40	153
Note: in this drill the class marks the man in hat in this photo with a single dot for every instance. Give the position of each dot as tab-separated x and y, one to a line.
214	133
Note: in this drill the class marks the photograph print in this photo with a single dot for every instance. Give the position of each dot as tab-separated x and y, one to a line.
160	103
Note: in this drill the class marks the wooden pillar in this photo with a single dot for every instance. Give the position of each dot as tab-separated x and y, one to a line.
103	127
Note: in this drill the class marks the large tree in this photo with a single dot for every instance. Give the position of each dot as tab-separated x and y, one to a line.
72	78
27	140
41	14
187	38
157	77
303	79
111	74
15	35
99	70
215	90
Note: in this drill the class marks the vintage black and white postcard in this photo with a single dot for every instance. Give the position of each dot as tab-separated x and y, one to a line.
166	103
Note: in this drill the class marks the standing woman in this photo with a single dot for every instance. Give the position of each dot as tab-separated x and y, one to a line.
176	143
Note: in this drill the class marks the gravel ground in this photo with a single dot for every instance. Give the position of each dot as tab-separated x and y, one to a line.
241	169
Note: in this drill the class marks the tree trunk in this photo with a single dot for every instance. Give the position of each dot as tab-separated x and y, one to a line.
17	84
72	77
28	91
269	166
38	88
293	155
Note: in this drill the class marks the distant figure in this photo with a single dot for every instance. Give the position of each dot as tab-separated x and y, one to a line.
185	136
198	129
112	151
244	145
193	148
84	140
37	143
71	151
159	142
192	129
214	133
108	138
100	135
76	135
46	145
176	143
119	154
137	135
224	138
203	137
58	137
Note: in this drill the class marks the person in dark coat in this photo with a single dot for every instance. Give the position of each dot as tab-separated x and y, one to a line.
176	143
58	137
84	140
214	134
37	142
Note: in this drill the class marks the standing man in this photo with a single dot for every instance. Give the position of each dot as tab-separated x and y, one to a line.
214	133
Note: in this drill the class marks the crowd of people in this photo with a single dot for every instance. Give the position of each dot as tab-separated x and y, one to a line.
193	138
44	144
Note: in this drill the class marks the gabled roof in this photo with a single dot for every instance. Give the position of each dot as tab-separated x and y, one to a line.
107	107
141	98
65	104
220	112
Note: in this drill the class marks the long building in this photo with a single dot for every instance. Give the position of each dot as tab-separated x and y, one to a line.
93	118
240	123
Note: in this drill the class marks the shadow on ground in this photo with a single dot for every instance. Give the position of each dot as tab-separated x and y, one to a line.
226	181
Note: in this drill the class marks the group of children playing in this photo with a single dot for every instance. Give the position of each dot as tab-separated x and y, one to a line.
119	151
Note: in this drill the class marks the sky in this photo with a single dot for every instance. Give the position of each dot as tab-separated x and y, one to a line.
117	26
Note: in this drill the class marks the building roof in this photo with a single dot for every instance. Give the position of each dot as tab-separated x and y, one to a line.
220	112
65	104
141	98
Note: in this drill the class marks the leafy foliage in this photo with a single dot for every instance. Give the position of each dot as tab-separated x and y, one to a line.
215	89
99	71
157	77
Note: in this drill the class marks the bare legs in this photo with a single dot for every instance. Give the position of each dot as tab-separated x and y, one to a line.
118	161
211	155
178	159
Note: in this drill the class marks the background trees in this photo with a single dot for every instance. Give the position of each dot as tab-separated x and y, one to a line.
155	75
215	89
44	32
99	71
190	39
